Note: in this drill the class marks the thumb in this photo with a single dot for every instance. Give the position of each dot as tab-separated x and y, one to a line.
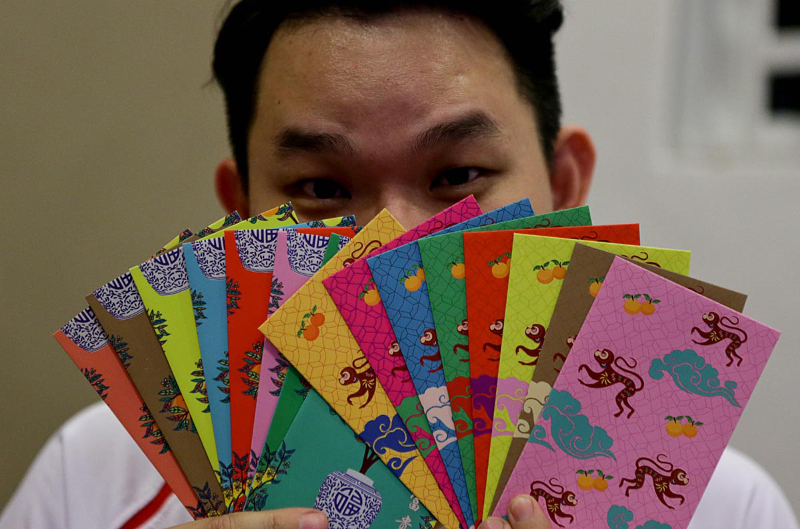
278	519
524	512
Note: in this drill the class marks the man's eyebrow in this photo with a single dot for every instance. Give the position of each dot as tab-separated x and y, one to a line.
475	125
294	140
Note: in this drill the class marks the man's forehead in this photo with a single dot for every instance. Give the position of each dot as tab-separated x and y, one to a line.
402	66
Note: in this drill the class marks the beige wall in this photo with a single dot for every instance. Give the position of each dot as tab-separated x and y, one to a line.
108	141
109	136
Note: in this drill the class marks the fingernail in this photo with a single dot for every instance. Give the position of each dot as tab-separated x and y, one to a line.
314	520
492	523
522	508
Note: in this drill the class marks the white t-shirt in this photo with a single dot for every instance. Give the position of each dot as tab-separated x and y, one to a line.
76	481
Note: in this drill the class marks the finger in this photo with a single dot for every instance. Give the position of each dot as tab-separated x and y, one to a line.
494	523
524	512
277	519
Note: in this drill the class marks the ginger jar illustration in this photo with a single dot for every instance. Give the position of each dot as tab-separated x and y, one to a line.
349	500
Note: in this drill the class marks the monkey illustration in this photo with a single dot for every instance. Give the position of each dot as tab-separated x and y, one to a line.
365	379
722	329
663	473
463	330
555	497
394	351
437	225
562	356
642	256
429	338
535	332
497	329
593	237
360	249
610	376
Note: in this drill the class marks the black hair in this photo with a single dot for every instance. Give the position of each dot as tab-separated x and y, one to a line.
524	27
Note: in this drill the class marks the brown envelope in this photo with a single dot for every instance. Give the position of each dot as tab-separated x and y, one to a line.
121	312
587	266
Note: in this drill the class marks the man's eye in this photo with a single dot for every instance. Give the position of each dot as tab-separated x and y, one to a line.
323	189
457	177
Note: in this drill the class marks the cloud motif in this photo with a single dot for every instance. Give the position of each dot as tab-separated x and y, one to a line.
572	432
692	374
383	434
537	437
652	524
484	390
417	425
618	517
439	414
443	435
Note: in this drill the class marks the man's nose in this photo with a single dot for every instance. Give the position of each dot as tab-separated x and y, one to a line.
409	210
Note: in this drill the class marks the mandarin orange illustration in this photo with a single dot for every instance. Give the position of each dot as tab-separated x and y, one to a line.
690	428
311	333
500	270
370	294
632	306
317	319
412	279
601	481
649	306
585	481
560	271
458	270
412	283
372	297
674	426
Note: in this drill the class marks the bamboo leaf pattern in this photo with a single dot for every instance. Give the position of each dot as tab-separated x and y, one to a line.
272	466
276	294
234	295
199	306
121	348
151	429
175	406
96	380
200	388
159	324
223	378
252	368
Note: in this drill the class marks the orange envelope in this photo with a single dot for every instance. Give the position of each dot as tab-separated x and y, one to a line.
100	361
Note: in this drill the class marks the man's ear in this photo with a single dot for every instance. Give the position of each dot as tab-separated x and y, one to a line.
573	167
228	185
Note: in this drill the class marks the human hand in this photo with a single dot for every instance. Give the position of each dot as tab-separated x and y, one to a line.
524	512
277	519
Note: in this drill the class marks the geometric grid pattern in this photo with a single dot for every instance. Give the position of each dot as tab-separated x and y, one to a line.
321	358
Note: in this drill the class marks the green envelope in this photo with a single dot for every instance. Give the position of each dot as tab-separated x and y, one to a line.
348	481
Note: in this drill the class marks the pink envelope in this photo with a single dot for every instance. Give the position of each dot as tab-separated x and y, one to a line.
298	256
643	407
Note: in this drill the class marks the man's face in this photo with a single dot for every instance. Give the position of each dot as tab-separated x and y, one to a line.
410	112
